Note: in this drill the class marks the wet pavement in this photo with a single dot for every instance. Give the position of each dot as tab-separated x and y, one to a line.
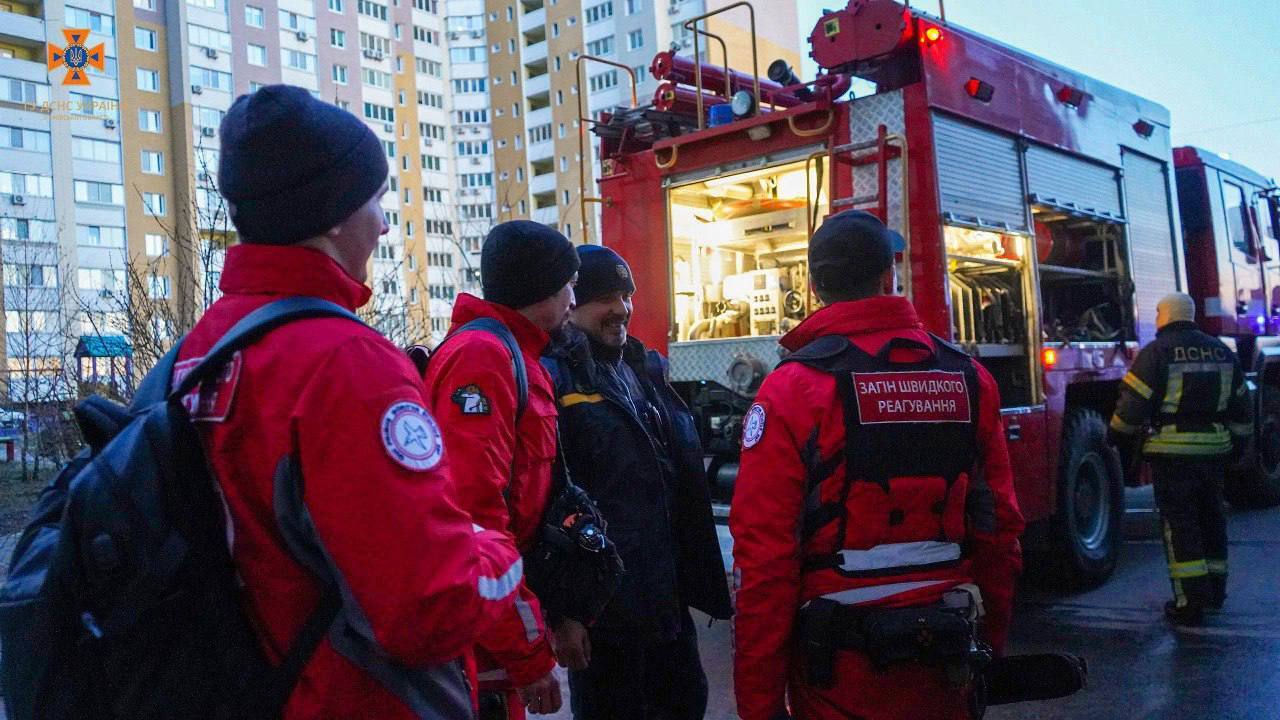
1139	667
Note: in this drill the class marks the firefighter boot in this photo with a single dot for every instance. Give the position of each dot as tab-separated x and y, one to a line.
1217	591
1186	615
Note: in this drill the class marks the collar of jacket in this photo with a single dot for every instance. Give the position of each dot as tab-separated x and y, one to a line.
854	317
252	269
579	353
531	338
1176	326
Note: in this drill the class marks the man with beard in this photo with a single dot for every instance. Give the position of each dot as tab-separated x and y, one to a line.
632	445
504	443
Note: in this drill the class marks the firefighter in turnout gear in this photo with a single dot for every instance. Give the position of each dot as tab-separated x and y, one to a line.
1184	406
874	517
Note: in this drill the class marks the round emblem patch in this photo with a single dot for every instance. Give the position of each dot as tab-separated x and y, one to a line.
411	436
753	427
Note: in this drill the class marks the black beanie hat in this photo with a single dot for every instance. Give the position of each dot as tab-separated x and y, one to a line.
293	166
850	248
524	262
603	272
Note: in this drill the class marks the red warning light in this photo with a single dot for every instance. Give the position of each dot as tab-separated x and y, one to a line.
1144	128
1050	357
932	34
1070	96
979	90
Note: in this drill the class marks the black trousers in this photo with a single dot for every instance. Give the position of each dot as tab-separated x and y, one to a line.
630	680
1189	496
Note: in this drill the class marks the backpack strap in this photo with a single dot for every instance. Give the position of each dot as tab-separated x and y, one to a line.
251	328
495	327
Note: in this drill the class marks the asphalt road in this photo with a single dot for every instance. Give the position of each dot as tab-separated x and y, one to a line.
1140	667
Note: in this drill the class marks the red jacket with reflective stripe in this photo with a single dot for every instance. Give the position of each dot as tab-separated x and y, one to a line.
502	471
320	389
800	402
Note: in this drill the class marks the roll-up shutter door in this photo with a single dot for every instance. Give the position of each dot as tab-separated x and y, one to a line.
1067	180
1152	245
979	177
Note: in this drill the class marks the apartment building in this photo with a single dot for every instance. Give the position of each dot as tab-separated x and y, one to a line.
110	220
537	85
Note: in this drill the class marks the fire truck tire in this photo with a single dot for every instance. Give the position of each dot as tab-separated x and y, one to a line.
1258	484
1086	530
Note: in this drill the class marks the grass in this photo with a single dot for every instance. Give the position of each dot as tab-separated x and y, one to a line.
17	496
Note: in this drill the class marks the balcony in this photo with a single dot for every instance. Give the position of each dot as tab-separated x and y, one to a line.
26	29
547	216
539	87
534	21
545	183
537	51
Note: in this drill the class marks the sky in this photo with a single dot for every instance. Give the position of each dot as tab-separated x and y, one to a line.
1215	65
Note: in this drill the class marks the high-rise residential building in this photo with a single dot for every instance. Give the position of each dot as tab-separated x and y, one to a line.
110	220
534	50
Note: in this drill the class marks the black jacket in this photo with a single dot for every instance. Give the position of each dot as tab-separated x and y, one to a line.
1187	387
648	479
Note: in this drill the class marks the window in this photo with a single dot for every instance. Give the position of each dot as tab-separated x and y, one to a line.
464	23
208	37
336	6
294	22
375	44
430	67
604	81
635	39
430	99
29	321
149	121
432	162
560	130
475	180
472	243
298	60
337	38
27	229
148	80
207	117
439	227
601	47
634	6
408	228
99	150
422	34
157	245
466	54
373	111
16	138
473	147
470	85
1238	221
100	279
377	78
541	133
598	13
210	78
97	22
93	192
257	55
31	276
372	9
145	4
473	117
433	195
431	6
476	212
340	74
153	204
99	235
159	286
19	184
442	292
23	91
152	162
144	39
555	30
253	16
564	193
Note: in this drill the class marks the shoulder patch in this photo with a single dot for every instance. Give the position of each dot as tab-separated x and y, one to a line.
753	426
411	436
471	400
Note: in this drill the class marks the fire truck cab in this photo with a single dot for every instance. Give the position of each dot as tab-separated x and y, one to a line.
1231	222
1037	203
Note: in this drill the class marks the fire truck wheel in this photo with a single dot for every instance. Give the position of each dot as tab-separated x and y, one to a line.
1086	529
1258	484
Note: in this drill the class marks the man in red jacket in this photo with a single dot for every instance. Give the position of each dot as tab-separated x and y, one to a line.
874	475
321	425
503	469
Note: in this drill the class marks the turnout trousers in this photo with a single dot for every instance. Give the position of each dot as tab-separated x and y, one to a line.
641	681
1189	497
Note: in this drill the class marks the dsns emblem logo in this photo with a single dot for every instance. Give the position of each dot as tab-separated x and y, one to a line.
76	57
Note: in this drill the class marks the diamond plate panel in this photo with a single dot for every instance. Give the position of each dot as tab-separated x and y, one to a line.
710	359
866	115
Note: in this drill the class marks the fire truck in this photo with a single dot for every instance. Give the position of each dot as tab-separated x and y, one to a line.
1040	213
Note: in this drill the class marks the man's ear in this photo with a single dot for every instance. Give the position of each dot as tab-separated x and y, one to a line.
334	231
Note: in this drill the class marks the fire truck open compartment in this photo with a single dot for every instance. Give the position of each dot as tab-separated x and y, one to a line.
739	253
1084	277
989	283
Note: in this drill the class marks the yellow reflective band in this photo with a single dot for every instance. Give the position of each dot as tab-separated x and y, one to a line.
1179	598
1135	382
1172	391
1121	426
1216	567
1241	429
1189	569
571	399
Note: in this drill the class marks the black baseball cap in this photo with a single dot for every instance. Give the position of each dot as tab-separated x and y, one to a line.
850	248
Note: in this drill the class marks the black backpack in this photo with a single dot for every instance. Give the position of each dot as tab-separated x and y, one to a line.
122	600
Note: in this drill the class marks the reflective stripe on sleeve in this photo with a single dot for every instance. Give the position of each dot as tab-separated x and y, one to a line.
571	399
500	587
525	611
898	555
857	596
1137	385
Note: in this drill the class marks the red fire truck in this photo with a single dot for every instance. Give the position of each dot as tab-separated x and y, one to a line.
1038	205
